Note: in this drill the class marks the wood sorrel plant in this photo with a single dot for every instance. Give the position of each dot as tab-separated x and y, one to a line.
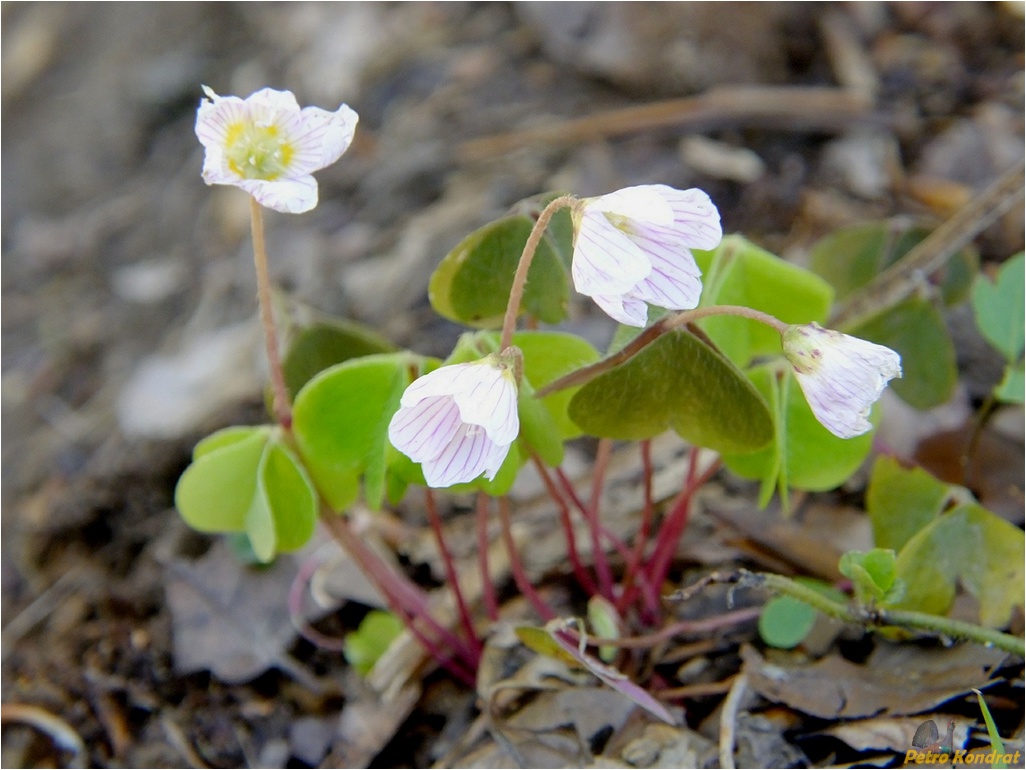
715	360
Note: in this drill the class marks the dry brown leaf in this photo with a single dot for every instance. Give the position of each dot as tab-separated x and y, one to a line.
895	680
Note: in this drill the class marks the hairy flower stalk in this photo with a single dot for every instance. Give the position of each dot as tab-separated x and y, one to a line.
459	421
633	247
841	376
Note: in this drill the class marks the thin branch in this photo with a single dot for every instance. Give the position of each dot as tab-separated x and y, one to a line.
450	570
519	574
487	585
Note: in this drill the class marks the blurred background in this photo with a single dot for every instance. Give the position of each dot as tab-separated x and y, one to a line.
129	321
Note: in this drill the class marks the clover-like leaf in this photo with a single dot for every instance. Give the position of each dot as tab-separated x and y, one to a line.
365	645
740	273
851	257
247	480
901	501
999	308
785	621
803	454
324	342
216	491
340	421
915	329
472	283
873	576
969	546
679	382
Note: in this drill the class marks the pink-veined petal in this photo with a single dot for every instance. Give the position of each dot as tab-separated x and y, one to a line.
675	282
625	308
605	260
491	402
334	131
445	381
841	376
642	203
289	196
463	459
423	430
696	220
215	118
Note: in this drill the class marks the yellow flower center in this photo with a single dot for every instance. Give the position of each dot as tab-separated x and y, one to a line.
257	152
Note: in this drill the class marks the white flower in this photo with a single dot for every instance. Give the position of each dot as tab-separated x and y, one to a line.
269	147
841	376
633	247
459	421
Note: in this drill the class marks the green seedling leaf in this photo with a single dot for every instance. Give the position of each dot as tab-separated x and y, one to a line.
996	743
999	308
538	429
803	454
786	621
325	342
677	382
365	645
873	576
216	490
916	330
340	421
1012	386
901	501
604	621
968	545
472	283
850	258
740	273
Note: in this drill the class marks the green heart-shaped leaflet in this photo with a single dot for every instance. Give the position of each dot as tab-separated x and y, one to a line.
472	283
999	308
316	345
901	501
246	479
804	454
340	421
969	546
677	382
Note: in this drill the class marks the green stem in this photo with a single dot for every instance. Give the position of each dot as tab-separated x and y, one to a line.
282	408
875	618
650	335
516	292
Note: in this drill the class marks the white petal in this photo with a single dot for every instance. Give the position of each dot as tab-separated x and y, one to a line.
290	196
216	170
643	203
695	218
213	119
423	430
332	131
605	260
445	381
675	282
624	308
463	459
841	376
274	101
491	402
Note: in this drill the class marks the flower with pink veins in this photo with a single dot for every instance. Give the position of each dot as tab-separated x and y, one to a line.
633	247
269	147
841	376
459	421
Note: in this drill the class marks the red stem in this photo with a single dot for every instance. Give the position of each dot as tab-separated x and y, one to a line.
605	574
583	578
676	521
487	587
519	574
404	600
450	571
641	539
